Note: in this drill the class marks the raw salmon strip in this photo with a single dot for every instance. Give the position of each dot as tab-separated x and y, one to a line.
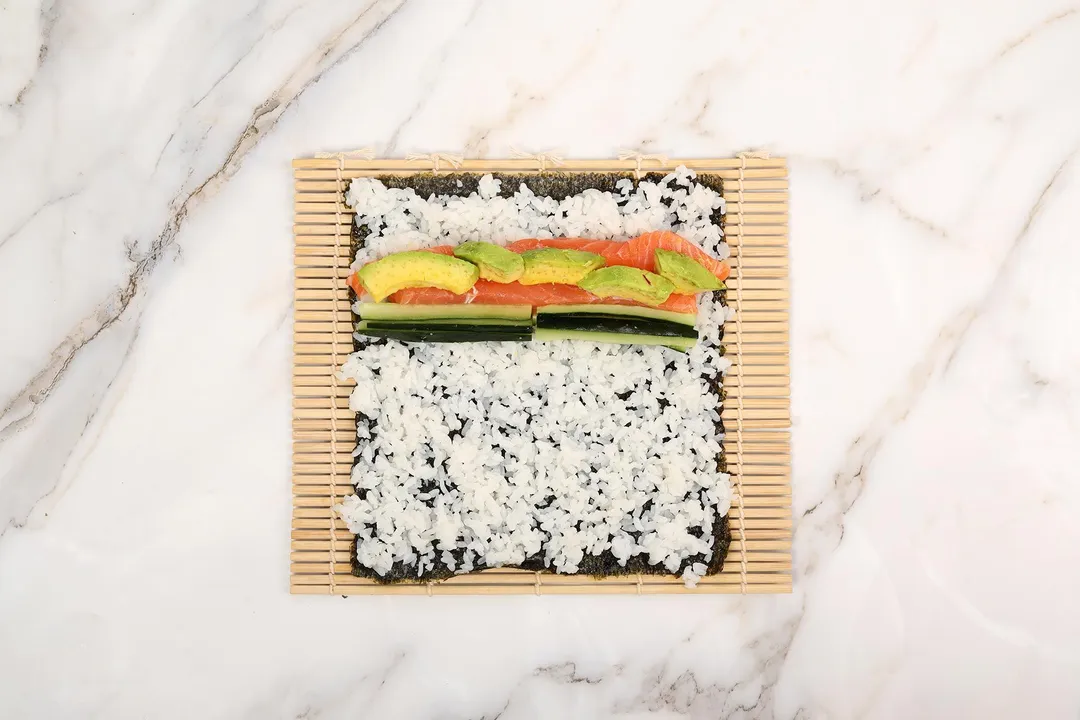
486	292
606	248
640	252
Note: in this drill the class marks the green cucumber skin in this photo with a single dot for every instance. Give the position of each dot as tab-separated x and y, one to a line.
462	325
447	336
393	312
622	325
390	311
479	322
680	344
629	310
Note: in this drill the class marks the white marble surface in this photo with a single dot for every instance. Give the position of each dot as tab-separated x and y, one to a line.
144	393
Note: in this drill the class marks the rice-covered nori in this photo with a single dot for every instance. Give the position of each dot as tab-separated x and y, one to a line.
557	186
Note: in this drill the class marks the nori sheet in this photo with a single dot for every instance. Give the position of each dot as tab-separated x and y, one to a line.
558	186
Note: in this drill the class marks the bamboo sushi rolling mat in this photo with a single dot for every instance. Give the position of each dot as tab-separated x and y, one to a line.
756	412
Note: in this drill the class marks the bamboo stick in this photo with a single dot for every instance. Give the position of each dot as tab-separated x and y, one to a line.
384	166
330	172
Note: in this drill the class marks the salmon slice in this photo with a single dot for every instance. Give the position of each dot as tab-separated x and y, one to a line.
640	252
606	248
486	292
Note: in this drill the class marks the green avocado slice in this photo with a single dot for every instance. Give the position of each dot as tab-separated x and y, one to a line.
630	283
496	263
688	274
385	277
552	265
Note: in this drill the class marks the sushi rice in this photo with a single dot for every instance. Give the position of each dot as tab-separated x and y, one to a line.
487	454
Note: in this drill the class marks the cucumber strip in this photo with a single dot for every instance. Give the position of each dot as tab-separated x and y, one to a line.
621	324
633	310
445	334
462	325
676	343
440	322
391	311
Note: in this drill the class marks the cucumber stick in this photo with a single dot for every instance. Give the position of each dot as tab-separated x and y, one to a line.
619	324
449	322
676	343
462	325
391	311
442	335
631	310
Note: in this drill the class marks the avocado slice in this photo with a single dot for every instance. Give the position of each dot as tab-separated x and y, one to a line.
496	263
688	274
629	283
417	268
552	265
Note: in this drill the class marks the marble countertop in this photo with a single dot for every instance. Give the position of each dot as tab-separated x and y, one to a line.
144	382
